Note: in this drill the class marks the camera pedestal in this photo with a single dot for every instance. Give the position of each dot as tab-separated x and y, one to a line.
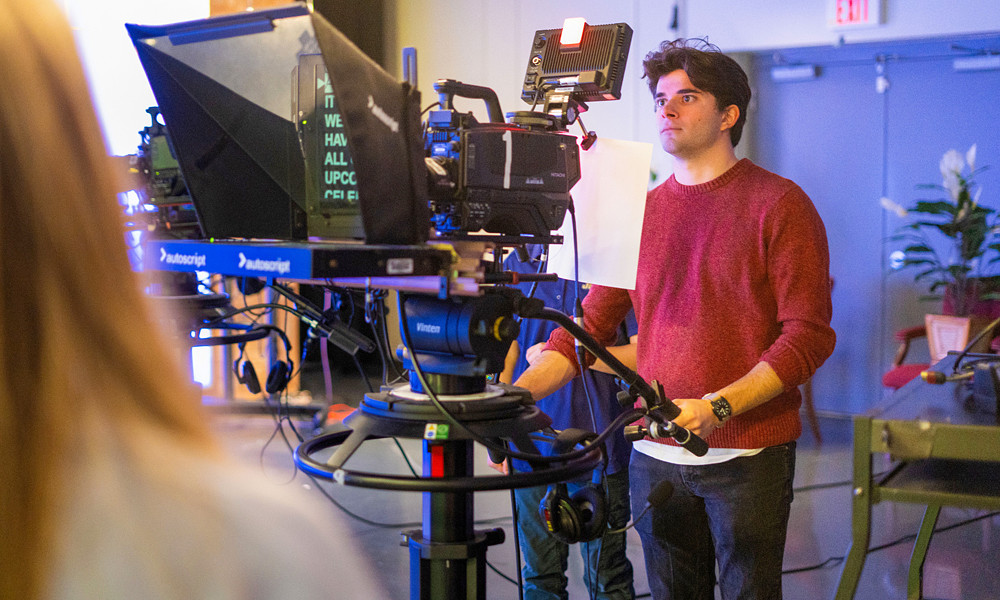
447	555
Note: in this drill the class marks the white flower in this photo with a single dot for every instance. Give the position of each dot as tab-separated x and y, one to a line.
951	166
888	204
951	162
970	158
897	259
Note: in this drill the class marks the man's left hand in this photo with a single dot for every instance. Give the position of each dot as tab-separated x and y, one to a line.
696	416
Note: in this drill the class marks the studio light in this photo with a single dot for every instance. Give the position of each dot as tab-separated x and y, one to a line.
988	62
787	73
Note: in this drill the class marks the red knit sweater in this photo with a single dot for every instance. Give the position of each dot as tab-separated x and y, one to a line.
731	272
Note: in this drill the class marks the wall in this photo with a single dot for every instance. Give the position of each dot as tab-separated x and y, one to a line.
225	7
767	24
486	42
117	82
848	145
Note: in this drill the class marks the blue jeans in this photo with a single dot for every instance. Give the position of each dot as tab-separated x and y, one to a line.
608	572
734	512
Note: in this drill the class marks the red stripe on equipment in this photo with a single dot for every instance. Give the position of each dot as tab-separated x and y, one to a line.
437	461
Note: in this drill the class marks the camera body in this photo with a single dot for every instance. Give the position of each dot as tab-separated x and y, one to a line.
497	177
514	178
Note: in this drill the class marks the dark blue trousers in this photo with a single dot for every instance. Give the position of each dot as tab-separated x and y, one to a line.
733	513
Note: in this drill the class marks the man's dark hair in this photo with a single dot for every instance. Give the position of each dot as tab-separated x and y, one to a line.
708	69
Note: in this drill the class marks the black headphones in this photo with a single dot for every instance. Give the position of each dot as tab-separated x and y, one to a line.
277	378
583	516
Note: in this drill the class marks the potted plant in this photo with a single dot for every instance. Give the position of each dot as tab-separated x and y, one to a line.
947	242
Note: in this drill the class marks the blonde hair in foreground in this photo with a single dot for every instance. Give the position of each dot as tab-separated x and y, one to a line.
81	358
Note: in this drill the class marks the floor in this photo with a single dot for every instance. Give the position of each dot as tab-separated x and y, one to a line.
962	563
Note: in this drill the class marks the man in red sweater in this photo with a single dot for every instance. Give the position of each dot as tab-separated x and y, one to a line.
733	305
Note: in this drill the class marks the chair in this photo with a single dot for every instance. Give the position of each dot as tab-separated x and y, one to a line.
902	372
807	404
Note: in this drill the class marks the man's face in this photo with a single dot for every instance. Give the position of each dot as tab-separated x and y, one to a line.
687	118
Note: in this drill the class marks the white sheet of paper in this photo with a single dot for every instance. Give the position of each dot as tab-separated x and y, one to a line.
610	200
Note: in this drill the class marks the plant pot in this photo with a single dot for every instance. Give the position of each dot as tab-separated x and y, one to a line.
947	333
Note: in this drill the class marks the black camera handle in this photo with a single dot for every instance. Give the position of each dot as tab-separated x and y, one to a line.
447	89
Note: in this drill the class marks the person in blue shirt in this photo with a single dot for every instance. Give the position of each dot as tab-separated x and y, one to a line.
608	572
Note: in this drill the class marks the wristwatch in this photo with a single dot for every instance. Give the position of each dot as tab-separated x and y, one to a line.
720	407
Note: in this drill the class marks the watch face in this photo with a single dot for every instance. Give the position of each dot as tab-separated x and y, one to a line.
721	408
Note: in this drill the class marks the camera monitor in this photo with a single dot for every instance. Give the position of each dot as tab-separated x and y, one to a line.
586	60
273	146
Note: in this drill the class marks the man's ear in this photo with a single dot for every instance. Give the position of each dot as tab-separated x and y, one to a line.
730	115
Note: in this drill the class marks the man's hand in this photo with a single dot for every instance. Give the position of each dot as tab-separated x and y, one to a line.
696	416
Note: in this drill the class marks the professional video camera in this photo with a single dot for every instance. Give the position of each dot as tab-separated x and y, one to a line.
351	159
159	166
515	177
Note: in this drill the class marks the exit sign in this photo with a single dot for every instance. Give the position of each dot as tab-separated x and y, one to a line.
848	14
